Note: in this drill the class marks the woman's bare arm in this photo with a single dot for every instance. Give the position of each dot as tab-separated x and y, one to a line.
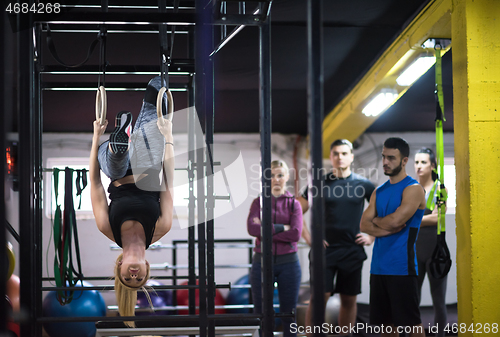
164	222
97	193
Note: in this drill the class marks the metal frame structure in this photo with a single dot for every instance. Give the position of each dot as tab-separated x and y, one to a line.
315	120
30	182
29	102
200	87
265	150
3	131
191	245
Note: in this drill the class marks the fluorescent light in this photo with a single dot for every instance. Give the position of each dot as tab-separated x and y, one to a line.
126	7
114	31
107	89
415	70
114	73
380	103
173	23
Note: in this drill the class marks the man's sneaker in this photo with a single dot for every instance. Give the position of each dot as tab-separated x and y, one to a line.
119	138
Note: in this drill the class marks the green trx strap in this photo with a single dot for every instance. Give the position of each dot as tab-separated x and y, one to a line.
74	275
81	183
64	226
59	256
441	262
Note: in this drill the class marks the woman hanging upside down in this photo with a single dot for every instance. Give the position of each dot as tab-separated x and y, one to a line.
140	165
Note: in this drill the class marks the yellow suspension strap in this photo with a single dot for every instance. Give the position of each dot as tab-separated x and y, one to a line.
441	261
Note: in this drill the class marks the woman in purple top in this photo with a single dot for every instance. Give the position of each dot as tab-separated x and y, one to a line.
287	229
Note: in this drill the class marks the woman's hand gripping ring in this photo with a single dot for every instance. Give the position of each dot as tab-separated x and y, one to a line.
159	104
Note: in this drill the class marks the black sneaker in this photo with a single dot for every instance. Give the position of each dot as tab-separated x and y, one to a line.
119	138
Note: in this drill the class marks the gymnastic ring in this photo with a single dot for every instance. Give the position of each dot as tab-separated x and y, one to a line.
101	105
11	260
159	104
170	112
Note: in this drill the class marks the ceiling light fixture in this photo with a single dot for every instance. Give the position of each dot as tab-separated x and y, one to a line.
57	72
415	70
107	89
380	102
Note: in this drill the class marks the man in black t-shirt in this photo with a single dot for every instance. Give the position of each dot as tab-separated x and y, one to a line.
344	195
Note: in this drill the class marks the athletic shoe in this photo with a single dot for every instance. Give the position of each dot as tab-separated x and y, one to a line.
119	138
154	86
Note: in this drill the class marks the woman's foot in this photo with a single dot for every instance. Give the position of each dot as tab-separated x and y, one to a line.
119	138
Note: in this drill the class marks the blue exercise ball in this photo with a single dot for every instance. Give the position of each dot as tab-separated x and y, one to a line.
88	303
276	300
238	296
159	298
242	296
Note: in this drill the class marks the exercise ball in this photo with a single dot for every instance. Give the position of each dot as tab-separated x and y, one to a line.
239	296
159	298
276	300
12	327
84	304
13	290
183	299
242	296
10	260
332	310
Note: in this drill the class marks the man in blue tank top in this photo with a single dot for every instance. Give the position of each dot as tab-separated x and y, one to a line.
393	217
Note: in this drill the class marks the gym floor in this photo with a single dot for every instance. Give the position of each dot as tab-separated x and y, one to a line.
426	314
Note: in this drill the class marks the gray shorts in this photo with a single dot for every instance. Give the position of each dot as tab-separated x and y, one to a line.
146	150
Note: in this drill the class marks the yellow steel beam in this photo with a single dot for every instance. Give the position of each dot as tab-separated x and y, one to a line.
346	119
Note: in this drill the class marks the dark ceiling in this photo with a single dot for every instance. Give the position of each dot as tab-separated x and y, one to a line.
356	32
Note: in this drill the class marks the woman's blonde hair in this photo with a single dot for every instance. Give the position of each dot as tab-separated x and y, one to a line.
279	163
126	296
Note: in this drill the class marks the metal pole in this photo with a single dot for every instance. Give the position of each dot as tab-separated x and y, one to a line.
29	187
201	107
174	271
208	67
315	118
265	149
191	175
210	205
38	212
200	159
3	131
9	227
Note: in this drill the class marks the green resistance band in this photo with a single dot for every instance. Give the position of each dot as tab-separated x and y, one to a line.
63	265
441	262
60	252
440	118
